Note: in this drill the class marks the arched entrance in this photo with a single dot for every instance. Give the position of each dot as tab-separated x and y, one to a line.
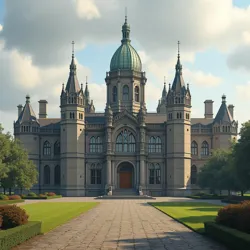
125	174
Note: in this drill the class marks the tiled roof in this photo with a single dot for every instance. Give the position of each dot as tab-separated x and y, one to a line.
27	114
223	114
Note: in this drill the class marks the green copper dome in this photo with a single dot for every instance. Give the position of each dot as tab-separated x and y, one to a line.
125	56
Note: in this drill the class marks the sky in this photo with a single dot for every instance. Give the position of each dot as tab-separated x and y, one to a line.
35	50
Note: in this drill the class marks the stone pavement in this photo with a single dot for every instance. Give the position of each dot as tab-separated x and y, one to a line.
121	224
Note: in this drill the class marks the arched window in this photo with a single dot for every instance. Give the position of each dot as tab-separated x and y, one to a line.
177	116
125	92
137	94
46	148
154	173
57	175
46	175
151	145
154	145
114	93
98	144
95	144
194	148
96	174
204	148
125	142
193	174
57	148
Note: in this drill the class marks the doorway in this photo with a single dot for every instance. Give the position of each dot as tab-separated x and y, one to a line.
125	175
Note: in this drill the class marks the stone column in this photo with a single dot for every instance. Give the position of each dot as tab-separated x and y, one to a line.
142	172
108	172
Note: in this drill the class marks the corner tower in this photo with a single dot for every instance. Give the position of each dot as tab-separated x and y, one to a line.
125	81
178	134
73	135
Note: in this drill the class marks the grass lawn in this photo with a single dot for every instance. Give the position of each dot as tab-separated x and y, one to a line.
4	202
191	214
53	214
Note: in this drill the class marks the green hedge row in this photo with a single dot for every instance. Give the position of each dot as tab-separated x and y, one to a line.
232	238
41	198
14	236
206	197
6	202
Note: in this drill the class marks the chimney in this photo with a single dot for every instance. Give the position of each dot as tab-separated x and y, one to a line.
20	109
43	108
208	109
231	110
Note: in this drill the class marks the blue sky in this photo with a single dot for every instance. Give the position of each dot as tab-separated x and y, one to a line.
208	60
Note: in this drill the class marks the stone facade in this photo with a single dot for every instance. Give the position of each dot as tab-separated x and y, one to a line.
85	153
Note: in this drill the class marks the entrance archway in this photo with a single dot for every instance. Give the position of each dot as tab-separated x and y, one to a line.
125	174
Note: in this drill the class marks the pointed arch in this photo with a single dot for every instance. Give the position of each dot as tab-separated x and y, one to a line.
137	94
57	148
193	174
57	175
125	93
194	148
114	94
46	148
204	148
125	141
46	175
155	144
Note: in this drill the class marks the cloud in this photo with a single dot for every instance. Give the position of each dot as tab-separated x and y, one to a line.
239	58
45	31
87	9
243	91
1	27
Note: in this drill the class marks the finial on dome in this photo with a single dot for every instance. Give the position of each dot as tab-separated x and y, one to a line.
27	98
126	14
223	98
178	49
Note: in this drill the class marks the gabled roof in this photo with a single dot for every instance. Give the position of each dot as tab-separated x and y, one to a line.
27	114
223	114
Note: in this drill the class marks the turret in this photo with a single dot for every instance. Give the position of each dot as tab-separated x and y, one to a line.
73	134
163	101
225	128
178	130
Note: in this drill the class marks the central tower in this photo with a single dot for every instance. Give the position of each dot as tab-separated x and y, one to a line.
125	80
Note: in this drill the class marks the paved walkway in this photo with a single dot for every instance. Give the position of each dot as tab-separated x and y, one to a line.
121	224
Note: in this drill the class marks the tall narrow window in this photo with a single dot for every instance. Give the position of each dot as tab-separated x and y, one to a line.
57	175
154	173
157	173
114	93
95	174
57	148
193	174
125	93
92	176
154	145
46	148
98	144
194	148
204	149
151	174
137	94
46	175
125	142
92	145
158	145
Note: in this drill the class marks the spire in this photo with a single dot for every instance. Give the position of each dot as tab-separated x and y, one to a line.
86	92
125	30
178	84
164	91
72	84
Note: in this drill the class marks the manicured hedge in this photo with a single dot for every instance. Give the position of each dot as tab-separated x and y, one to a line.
232	238
5	202
41	198
14	236
206	197
235	199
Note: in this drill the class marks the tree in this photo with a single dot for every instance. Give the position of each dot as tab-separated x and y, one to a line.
217	173
241	157
15	168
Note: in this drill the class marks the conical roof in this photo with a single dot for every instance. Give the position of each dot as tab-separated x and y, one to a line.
223	114
27	114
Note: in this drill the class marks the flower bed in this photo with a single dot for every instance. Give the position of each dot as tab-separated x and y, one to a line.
14	236
41	197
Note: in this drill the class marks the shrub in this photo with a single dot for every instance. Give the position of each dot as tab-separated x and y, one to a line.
3	197
15	197
51	194
32	194
235	216
46	193
13	216
42	195
1	221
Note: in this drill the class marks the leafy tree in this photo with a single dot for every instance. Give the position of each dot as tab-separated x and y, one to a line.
16	170
241	157
217	173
